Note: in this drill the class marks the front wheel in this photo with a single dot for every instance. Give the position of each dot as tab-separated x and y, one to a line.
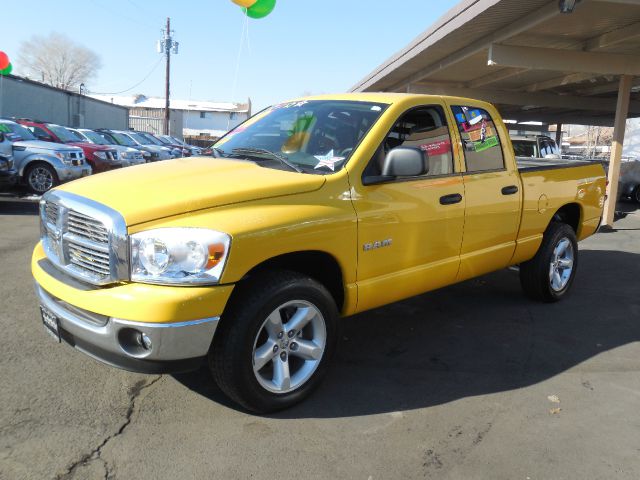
549	275
275	342
41	177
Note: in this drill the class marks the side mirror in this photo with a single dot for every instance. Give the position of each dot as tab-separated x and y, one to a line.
400	162
2	137
405	162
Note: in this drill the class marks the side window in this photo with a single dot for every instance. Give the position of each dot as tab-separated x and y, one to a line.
38	132
425	128
482	149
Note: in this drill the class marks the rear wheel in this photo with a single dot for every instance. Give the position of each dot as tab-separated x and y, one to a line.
41	177
549	275
275	342
636	194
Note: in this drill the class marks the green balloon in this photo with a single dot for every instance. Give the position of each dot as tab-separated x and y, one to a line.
7	70
260	9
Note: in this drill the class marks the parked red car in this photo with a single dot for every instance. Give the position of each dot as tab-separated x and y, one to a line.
101	158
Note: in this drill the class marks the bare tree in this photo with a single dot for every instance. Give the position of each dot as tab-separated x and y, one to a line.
58	61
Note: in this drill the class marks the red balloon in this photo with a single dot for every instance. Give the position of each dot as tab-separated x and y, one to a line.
4	61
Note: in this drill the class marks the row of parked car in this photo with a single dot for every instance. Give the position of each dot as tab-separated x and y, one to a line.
42	155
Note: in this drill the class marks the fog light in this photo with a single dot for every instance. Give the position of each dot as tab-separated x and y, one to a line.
145	341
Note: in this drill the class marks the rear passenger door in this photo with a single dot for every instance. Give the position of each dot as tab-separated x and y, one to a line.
492	193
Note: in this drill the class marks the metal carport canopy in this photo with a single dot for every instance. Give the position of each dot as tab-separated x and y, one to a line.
532	61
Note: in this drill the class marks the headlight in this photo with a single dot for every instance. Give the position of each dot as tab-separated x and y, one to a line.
100	155
179	256
66	160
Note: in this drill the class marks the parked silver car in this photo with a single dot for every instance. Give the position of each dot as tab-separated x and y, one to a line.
43	165
195	151
175	151
129	156
157	152
8	173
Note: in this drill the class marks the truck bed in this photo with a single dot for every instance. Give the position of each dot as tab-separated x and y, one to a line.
533	164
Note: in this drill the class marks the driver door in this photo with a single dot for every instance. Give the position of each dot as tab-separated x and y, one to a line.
410	228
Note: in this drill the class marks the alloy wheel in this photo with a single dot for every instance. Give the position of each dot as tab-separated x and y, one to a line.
40	179
289	346
561	265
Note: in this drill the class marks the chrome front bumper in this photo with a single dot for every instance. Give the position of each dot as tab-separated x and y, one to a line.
73	172
174	346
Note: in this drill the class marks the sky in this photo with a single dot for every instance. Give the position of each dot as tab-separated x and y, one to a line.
302	47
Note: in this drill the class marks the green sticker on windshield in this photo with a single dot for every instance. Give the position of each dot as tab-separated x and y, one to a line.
4	128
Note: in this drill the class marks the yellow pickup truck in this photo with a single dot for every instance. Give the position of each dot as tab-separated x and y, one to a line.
310	210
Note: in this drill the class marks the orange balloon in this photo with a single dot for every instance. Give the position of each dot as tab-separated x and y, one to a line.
4	60
244	3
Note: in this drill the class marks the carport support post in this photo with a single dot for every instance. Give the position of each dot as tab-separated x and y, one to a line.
622	109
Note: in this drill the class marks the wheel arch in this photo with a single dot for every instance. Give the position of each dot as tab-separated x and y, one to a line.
321	266
30	161
571	214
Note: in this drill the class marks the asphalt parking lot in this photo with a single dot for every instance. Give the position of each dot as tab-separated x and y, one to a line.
470	382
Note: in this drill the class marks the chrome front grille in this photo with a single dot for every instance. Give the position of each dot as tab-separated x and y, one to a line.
87	227
84	238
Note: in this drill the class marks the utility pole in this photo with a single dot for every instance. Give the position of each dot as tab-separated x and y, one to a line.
167	46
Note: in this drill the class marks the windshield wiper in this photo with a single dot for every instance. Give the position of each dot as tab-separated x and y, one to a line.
263	151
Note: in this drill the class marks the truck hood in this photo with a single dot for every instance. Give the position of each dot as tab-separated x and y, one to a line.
163	189
39	144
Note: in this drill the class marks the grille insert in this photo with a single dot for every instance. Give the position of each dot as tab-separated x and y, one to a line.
51	213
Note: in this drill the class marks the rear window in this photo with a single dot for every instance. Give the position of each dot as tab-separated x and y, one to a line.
482	149
524	148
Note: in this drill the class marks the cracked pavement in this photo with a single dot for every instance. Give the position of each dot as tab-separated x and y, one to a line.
472	381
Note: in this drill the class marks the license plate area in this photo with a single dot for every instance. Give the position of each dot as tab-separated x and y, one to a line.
51	323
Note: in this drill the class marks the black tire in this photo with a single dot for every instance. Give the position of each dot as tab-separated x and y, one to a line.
536	274
636	194
231	357
40	177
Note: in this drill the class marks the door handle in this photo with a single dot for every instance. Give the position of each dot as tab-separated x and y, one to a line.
510	190
450	199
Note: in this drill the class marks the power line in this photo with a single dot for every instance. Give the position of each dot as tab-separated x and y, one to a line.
134	86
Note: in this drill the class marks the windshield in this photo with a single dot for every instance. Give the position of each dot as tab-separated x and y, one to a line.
95	137
62	133
139	138
77	135
316	136
524	148
123	139
16	132
164	140
153	140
